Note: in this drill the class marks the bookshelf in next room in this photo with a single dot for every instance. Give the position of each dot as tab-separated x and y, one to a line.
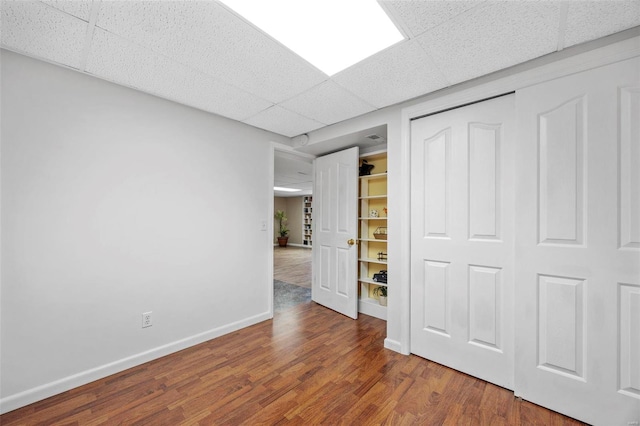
307	229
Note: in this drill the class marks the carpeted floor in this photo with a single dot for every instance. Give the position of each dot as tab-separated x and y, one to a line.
288	295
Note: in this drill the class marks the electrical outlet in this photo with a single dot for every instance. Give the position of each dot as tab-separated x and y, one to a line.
146	320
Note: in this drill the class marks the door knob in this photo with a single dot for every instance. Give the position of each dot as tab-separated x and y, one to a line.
351	241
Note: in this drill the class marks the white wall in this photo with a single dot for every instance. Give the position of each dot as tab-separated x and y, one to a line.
116	203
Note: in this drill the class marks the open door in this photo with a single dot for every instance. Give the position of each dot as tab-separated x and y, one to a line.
335	220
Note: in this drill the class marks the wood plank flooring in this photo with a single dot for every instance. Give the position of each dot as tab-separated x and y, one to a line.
308	365
292	265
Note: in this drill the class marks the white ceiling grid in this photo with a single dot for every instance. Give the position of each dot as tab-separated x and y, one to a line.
201	54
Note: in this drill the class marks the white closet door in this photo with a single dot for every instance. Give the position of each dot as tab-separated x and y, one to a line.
335	221
578	242
462	239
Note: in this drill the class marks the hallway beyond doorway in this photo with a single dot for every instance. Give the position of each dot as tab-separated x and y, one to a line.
292	265
291	277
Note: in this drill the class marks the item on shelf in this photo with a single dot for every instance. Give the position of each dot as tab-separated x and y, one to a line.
365	168
380	277
382	256
384	210
373	213
381	292
380	233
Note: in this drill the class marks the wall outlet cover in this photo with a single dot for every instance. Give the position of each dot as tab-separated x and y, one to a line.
146	320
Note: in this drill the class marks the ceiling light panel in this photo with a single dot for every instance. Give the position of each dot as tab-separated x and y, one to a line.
589	20
208	37
283	189
419	16
493	36
284	122
42	31
120	61
397	74
327	103
330	34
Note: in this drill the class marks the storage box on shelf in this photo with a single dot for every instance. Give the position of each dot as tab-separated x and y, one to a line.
307	229
372	220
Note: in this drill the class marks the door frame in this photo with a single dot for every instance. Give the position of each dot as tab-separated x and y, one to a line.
275	146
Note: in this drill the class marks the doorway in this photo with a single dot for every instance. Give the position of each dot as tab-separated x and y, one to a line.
293	183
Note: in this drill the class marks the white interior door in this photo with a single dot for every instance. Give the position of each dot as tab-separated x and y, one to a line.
462	239
578	245
335	210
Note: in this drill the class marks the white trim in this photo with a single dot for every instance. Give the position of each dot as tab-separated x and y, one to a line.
539	70
394	345
405	235
269	218
293	245
601	52
38	393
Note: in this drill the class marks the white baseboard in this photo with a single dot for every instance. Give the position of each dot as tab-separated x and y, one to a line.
394	345
294	245
47	390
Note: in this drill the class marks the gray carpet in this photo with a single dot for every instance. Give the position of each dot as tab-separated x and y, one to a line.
288	295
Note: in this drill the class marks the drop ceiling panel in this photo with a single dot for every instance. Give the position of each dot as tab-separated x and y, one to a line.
279	120
115	59
418	16
79	9
327	103
493	36
202	54
401	72
589	20
292	171
208	37
42	31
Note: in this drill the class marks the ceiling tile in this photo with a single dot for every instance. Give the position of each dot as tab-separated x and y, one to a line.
39	30
401	72
588	20
79	9
493	36
327	103
418	16
122	62
279	120
208	37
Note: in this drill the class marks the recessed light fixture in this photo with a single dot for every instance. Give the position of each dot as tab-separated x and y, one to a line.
279	188
330	34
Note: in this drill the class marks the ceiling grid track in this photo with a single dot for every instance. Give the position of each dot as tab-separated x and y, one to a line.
93	18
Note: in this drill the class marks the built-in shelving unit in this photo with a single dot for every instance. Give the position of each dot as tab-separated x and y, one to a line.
307	229
372	243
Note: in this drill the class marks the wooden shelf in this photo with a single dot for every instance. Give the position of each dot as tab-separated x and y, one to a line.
374	176
375	240
370	260
374	197
370	281
372	218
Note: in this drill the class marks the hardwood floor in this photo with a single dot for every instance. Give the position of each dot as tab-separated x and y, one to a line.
308	365
292	265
